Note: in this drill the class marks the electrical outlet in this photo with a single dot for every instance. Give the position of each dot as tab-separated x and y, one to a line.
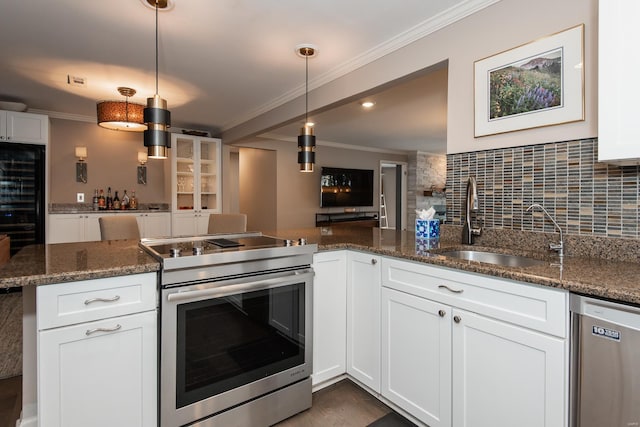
80	197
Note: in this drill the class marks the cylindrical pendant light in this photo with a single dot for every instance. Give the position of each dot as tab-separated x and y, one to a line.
306	139
306	149
119	115
157	117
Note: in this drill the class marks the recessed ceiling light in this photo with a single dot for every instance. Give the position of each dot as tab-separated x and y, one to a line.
367	104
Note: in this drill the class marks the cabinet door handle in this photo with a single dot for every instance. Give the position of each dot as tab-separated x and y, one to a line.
457	319
93	331
374	261
114	299
442	313
455	291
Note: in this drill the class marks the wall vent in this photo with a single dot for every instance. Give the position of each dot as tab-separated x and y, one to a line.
76	81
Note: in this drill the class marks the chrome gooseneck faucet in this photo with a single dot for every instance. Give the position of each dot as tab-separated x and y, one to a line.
471	205
558	247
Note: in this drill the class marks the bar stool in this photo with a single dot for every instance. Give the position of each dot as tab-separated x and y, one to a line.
119	227
227	223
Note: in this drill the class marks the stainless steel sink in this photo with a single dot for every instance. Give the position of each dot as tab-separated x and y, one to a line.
493	258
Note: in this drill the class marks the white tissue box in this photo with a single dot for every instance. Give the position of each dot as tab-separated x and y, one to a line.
427	228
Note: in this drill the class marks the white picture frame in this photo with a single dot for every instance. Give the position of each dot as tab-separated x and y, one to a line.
540	83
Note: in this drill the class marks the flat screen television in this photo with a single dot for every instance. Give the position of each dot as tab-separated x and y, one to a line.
341	187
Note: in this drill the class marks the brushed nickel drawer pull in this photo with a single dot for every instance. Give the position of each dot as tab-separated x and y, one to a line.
89	301
457	319
455	291
93	331
442	313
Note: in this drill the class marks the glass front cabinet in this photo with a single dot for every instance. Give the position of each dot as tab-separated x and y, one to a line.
195	182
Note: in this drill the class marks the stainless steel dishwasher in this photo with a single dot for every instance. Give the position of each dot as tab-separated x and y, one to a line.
605	380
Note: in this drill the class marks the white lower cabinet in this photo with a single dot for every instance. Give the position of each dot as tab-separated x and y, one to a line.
447	347
189	224
464	350
64	228
416	356
97	353
329	315
363	318
99	373
505	375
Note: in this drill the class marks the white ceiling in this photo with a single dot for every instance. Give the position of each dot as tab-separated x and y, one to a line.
410	115
224	62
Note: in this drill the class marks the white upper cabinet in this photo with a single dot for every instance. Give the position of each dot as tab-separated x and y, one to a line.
618	107
196	184
195	173
24	127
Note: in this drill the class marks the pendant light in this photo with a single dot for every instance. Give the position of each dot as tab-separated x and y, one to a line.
156	116
306	139
118	115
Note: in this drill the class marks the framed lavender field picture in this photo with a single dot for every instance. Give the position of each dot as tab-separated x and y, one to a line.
537	84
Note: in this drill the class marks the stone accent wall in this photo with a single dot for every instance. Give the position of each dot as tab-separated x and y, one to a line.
425	172
585	197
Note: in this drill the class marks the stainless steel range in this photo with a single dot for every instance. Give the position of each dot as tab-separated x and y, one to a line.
235	337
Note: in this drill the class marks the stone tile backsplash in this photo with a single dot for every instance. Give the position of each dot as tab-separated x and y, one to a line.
585	197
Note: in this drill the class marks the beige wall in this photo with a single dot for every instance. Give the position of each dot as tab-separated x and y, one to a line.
298	194
259	188
112	161
230	179
502	26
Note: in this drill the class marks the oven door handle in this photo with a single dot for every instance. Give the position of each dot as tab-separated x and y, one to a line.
227	290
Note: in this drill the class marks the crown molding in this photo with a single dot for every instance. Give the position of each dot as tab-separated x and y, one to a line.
65	116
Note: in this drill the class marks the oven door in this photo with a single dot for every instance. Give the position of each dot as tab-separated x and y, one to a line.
226	342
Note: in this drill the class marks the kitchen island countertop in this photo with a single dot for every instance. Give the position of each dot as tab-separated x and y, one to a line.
67	262
64	262
598	277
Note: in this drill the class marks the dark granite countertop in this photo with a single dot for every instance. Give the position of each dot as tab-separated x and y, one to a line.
73	208
71	211
580	272
67	262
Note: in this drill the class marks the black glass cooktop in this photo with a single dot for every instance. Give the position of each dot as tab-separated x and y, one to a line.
212	244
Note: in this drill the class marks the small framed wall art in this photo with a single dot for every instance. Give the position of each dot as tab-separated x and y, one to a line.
537	84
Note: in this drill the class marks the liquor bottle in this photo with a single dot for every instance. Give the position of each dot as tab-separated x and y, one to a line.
109	199
124	203
102	202
116	202
95	200
133	203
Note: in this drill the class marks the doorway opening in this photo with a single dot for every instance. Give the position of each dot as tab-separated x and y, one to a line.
393	195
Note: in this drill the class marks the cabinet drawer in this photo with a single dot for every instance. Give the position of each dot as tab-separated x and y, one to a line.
75	302
531	306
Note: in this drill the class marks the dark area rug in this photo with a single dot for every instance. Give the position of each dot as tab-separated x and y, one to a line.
392	419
